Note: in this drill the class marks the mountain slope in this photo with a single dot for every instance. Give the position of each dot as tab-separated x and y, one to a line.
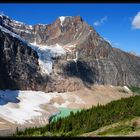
72	53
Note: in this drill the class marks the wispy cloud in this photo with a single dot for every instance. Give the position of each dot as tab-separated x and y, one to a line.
100	22
109	41
136	21
113	44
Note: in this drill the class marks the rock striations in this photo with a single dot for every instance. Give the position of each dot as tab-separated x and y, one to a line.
63	56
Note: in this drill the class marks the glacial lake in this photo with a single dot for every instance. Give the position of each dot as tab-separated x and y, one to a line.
64	112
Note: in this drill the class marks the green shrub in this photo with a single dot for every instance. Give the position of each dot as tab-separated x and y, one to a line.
135	89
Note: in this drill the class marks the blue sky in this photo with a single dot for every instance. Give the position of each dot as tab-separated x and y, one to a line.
117	23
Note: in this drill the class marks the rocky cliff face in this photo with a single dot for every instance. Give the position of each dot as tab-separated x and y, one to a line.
112	66
74	53
19	67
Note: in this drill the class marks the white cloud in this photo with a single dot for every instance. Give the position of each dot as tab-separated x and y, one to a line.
116	44
136	21
101	21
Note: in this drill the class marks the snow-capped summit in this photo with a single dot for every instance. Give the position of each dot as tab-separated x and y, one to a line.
62	19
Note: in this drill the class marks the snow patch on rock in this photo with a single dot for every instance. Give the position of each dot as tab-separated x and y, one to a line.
3	15
127	89
76	57
42	24
65	104
20	30
62	19
12	34
18	22
79	100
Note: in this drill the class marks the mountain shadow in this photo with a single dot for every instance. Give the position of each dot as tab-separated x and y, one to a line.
6	82
9	96
80	69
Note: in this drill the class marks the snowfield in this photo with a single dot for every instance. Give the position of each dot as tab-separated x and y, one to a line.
19	106
22	106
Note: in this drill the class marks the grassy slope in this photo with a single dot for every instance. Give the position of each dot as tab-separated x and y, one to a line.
126	127
135	89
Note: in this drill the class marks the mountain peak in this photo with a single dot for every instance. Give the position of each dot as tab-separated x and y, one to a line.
62	19
70	18
3	15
